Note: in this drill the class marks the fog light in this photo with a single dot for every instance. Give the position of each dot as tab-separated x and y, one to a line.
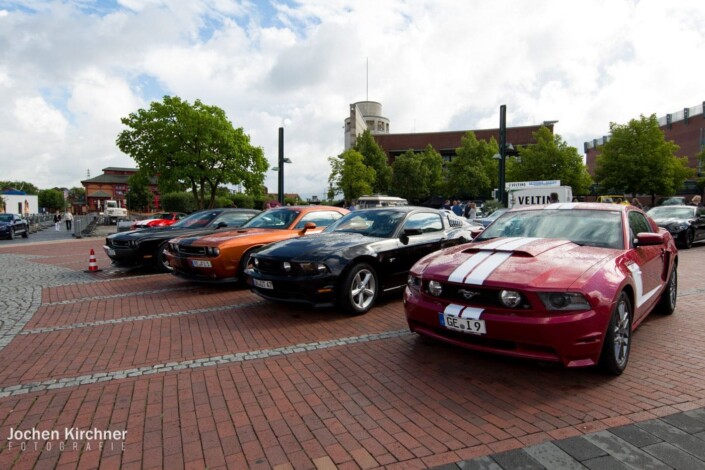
435	288
287	266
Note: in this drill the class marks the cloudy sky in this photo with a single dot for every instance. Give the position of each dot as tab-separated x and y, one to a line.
69	70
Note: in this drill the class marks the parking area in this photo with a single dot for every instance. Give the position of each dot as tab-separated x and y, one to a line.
143	370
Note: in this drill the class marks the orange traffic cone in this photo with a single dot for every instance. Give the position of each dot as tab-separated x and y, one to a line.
92	263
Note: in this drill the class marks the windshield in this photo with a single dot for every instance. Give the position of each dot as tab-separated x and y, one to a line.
273	218
373	223
197	220
5	218
583	227
677	212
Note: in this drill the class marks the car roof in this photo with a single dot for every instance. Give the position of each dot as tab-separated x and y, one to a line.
576	205
399	209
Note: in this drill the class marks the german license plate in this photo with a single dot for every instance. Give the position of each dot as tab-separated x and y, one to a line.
263	284
197	263
466	325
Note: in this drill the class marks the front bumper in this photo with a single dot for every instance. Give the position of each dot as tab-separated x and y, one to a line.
127	257
318	290
573	339
220	271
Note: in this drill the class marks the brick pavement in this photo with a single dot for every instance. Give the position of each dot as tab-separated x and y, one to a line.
215	377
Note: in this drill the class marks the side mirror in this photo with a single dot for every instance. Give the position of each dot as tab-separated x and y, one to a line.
648	239
221	225
475	231
409	232
307	226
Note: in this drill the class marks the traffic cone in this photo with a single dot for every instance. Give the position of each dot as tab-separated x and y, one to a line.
92	263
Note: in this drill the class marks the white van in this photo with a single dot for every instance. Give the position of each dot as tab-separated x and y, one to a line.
377	200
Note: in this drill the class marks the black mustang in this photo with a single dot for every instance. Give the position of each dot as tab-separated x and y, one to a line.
146	246
12	224
364	253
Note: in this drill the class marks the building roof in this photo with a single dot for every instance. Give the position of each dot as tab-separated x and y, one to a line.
107	178
99	193
117	168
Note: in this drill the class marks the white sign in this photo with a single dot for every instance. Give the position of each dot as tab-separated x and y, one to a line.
533	184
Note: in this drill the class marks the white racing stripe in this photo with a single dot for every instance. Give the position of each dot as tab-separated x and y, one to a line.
480	266
459	311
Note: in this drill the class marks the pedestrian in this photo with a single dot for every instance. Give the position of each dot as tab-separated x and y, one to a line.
57	221
457	209
696	201
553	198
471	211
69	219
352	206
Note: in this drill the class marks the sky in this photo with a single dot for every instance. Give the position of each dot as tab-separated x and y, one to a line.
71	69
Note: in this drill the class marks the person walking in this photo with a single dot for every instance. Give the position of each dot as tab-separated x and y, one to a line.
68	216
57	221
471	211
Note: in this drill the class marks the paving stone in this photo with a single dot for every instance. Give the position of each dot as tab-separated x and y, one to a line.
580	449
517	459
675	457
624	452
635	435
480	463
675	436
606	462
552	457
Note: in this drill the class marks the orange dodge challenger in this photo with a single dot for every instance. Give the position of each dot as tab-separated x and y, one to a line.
222	257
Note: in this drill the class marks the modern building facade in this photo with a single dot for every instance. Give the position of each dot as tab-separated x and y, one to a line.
686	128
364	115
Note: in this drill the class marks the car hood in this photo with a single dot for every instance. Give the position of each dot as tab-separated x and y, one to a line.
160	233
237	236
3	223
517	262
318	246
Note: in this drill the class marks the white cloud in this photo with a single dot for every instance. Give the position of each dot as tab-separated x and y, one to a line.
73	69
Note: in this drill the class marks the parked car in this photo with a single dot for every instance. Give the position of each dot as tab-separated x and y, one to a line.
566	284
685	223
223	256
365	253
146	246
458	221
671	201
163	219
488	219
13	224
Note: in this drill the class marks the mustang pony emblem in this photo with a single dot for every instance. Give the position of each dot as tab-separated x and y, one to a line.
468	294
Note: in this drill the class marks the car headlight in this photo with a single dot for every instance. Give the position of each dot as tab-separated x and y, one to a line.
212	251
414	283
255	262
510	298
313	268
564	301
286	266
435	288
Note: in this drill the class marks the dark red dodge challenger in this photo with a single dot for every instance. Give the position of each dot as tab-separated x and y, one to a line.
566	283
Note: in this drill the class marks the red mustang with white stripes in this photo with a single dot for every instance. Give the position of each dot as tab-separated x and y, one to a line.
564	283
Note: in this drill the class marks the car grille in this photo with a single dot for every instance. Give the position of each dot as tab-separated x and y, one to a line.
119	243
475	296
188	250
270	267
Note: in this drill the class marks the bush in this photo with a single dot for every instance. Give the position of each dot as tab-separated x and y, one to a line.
178	202
244	201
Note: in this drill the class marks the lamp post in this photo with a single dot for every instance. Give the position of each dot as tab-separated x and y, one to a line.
502	152
280	167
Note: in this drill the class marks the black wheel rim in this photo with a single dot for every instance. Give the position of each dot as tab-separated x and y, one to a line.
622	333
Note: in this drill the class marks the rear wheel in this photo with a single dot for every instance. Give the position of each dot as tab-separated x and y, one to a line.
688	238
12	233
617	342
359	289
667	304
25	234
161	262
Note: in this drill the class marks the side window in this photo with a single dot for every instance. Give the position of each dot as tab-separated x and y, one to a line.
637	224
426	222
233	219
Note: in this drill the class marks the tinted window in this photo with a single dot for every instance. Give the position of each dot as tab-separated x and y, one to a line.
638	223
320	218
233	219
273	218
374	223
197	220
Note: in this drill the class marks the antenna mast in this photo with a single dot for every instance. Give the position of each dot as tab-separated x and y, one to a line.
367	79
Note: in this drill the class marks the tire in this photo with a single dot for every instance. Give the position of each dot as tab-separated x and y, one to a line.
617	342
11	236
667	303
359	289
25	234
160	261
688	239
244	264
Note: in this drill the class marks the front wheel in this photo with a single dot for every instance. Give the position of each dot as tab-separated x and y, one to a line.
161	262
617	342
359	289
11	236
688	238
25	234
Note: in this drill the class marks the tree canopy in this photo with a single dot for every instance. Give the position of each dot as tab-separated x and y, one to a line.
51	199
637	159
375	158
473	171
28	188
550	158
350	176
417	176
193	145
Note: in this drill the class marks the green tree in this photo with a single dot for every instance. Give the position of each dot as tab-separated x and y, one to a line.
374	157
550	158
51	200
417	176
193	145
637	159
139	196
28	188
350	176
178	202
472	172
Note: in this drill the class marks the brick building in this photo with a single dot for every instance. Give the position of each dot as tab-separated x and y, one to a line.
113	185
